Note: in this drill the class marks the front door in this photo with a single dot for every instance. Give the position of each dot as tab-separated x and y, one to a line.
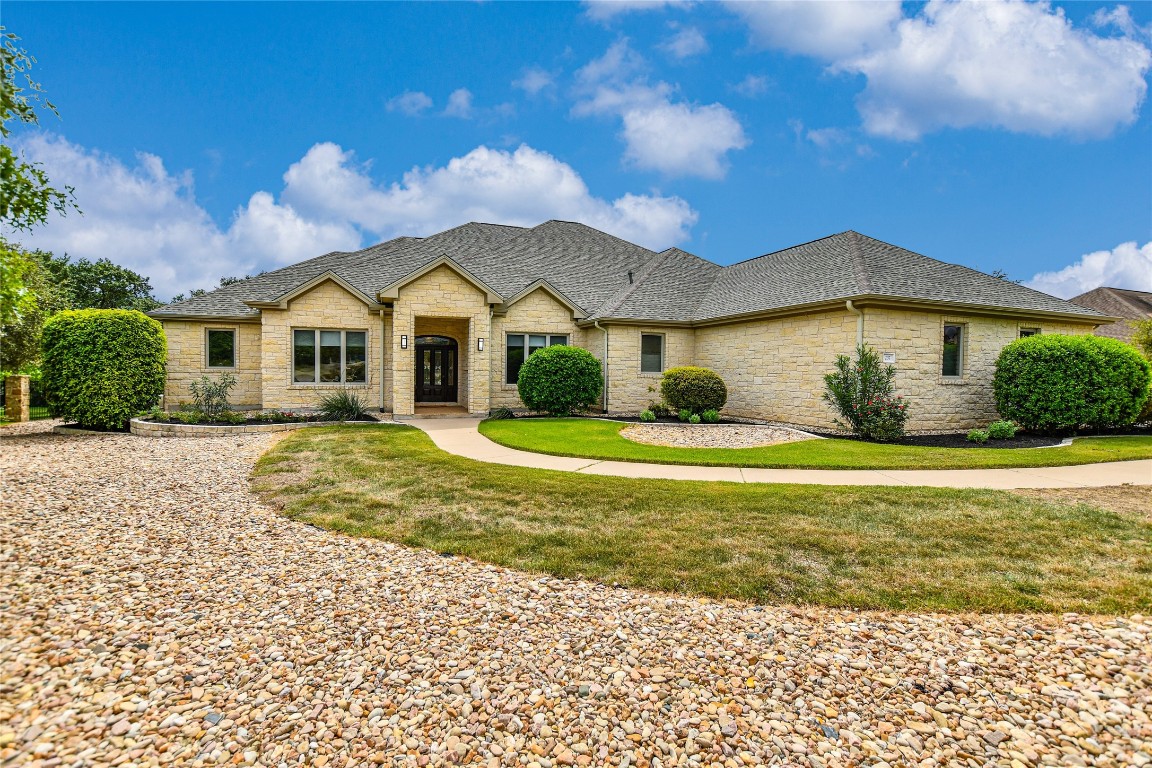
435	369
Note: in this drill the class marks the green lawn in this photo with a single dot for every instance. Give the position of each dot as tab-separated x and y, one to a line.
598	439
868	547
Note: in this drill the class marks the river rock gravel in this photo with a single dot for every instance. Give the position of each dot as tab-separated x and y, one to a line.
712	435
154	612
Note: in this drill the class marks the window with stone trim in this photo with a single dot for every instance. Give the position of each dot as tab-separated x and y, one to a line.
220	348
321	356
651	353
520	345
953	359
1026	332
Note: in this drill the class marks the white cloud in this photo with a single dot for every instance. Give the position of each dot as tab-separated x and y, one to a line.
676	138
459	104
1014	65
752	86
523	187
1128	265
410	103
1020	66
686	43
605	10
143	217
829	29
534	80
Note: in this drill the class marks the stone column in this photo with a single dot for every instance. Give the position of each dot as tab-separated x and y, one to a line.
17	397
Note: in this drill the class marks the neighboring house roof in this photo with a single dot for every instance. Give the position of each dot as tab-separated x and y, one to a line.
606	277
1118	302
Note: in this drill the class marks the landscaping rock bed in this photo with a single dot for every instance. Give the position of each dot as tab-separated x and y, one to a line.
711	435
153	611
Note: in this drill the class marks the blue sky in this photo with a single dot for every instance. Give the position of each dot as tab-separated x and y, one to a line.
220	139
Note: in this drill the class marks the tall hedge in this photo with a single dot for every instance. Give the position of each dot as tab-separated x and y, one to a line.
560	380
1051	382
694	389
101	367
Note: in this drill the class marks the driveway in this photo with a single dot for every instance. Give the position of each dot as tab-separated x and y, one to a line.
153	612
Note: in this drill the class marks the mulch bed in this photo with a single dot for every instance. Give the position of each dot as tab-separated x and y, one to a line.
246	423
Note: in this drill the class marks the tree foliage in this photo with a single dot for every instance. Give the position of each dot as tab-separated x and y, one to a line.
26	194
101	284
45	294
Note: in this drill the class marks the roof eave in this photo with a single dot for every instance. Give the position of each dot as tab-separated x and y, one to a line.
188	316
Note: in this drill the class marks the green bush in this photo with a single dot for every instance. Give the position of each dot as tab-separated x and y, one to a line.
101	367
647	417
694	418
693	389
210	396
978	436
684	414
560	380
1001	430
1051	382
861	392
710	416
342	405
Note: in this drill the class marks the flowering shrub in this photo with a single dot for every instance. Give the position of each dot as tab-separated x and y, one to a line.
861	392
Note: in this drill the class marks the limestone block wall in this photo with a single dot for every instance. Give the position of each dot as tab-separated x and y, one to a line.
538	312
444	294
937	402
188	360
328	307
774	368
629	388
453	328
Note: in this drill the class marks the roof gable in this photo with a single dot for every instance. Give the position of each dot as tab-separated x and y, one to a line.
282	301
392	290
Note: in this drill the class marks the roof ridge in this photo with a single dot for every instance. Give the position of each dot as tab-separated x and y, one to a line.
1120	294
859	266
782	250
617	299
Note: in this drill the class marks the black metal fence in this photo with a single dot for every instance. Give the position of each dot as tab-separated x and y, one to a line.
37	408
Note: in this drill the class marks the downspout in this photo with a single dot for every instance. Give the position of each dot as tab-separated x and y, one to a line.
859	323
489	353
605	332
384	344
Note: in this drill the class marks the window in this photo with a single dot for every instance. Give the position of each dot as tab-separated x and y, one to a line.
953	350
1026	332
221	348
521	345
336	357
651	353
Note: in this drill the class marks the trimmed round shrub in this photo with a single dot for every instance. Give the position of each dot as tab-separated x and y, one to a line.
1051	382
101	367
693	389
1001	430
560	380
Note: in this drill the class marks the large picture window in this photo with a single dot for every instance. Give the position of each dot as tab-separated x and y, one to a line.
521	345
953	363
220	348
651	353
329	357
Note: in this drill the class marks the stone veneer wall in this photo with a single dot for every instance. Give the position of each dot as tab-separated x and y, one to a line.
442	293
453	328
328	307
538	312
187	361
917	339
628	387
774	368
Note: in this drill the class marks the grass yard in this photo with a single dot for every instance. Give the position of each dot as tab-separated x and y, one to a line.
597	439
866	547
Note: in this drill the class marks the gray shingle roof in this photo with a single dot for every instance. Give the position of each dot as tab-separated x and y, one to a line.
592	269
850	264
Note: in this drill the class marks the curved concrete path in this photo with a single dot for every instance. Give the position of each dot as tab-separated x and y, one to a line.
460	437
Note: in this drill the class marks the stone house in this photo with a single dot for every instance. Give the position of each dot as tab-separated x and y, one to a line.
1122	303
448	320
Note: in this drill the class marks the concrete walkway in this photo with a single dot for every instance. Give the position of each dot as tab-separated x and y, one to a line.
460	437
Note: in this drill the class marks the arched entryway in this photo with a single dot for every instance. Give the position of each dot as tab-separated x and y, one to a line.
437	374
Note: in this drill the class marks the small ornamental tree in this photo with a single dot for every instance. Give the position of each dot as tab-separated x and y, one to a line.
560	380
693	389
101	367
1051	382
861	392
